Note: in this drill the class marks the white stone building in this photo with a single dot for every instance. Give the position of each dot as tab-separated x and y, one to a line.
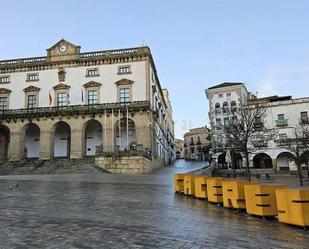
197	144
68	104
283	115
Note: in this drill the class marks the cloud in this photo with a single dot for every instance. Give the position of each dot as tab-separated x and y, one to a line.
286	81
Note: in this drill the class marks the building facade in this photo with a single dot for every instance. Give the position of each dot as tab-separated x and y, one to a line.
282	115
179	148
197	144
72	104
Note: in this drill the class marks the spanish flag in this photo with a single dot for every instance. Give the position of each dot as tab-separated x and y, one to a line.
50	98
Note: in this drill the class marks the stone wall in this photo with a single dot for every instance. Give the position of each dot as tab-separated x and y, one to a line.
127	164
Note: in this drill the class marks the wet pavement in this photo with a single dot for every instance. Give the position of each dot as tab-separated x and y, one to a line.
120	211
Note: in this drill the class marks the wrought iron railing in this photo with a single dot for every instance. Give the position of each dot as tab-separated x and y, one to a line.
282	122
73	109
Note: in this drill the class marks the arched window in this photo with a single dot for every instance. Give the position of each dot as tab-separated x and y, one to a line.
225	107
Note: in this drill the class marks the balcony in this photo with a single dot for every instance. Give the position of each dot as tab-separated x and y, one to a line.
281	122
304	120
217	111
73	110
258	125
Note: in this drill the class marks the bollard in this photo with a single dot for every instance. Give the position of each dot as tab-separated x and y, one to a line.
234	193
214	189
189	184
200	183
179	183
261	199
293	206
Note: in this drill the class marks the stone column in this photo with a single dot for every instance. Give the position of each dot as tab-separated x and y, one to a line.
144	129
46	142
15	149
76	140
274	161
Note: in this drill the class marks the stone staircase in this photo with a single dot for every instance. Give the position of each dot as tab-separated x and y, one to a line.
55	166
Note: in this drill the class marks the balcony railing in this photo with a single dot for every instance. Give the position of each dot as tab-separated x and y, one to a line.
281	122
73	110
258	125
304	120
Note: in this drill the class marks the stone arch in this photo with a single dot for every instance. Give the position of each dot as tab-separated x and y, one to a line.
125	133
30	141
262	161
92	137
4	142
285	161
61	139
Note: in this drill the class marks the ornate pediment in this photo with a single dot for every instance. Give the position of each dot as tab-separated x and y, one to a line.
31	89
92	84
63	50
61	86
4	91
124	82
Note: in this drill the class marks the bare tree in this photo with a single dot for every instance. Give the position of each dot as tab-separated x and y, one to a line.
298	143
246	133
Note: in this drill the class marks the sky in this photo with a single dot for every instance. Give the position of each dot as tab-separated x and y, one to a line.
195	43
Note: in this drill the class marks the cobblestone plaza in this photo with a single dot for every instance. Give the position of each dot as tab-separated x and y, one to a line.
120	211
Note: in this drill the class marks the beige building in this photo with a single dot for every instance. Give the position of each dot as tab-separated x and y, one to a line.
72	104
197	144
179	148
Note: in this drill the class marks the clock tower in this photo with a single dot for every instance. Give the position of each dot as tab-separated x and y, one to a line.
63	51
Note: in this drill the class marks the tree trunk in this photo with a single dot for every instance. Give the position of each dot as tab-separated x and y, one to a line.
233	165
300	177
247	166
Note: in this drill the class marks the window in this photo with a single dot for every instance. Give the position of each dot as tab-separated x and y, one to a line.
124	70
61	99
4	103
219	123
31	101
92	97
228	95
124	94
304	117
226	121
280	116
4	79
92	72
283	136
33	77
217	105
220	95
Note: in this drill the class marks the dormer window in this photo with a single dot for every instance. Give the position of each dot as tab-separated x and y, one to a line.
92	72
124	69
32	77
4	79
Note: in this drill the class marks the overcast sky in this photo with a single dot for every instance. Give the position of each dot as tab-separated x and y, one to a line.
195	43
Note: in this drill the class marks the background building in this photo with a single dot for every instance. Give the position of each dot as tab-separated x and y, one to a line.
179	148
197	144
283	115
72	104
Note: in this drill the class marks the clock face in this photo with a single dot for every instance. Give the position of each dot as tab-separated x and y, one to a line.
63	48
